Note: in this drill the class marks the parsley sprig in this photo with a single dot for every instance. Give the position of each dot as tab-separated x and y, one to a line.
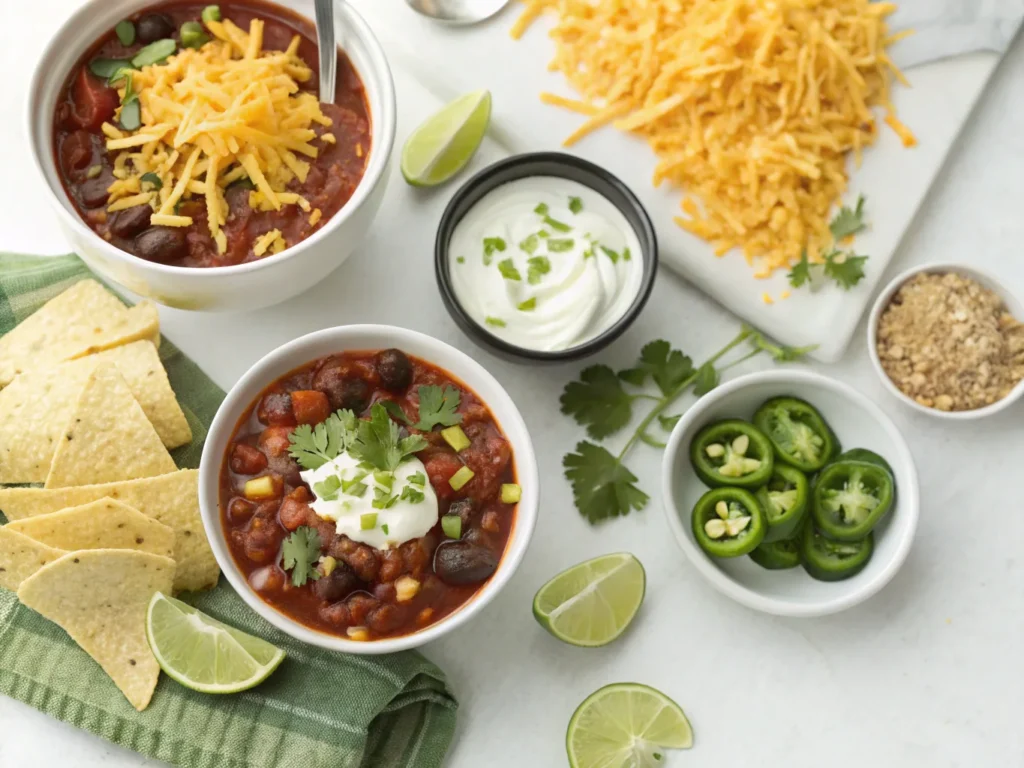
846	268
299	553
603	486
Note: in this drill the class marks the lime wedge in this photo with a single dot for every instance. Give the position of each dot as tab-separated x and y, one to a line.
592	603
626	725
445	142
202	653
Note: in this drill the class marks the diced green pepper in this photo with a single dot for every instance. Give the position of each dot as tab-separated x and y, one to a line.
510	493
460	478
211	13
452	526
456	438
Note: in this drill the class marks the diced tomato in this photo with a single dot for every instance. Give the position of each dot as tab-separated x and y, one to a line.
95	103
440	467
310	406
294	513
274	440
247	460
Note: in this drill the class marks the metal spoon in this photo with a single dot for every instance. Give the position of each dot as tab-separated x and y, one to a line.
328	49
457	11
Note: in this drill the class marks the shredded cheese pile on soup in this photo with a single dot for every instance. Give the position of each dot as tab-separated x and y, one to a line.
752	106
222	113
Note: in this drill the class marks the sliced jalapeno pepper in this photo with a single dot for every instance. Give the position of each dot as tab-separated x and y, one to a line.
728	522
850	497
799	434
868	457
828	560
732	453
778	555
784	501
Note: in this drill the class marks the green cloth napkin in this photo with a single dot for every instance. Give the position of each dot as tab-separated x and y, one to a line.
319	709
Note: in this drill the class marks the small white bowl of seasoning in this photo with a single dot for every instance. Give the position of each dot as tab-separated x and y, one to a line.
948	340
545	257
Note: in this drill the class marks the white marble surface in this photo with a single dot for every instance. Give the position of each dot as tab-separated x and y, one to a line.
927	674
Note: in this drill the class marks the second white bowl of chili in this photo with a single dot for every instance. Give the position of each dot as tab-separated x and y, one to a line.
377	589
75	115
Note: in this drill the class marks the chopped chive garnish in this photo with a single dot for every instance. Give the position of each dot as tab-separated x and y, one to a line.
125	32
543	234
358	490
150	182
211	13
384	527
418	478
529	245
538	267
368	521
556	225
610	254
508	270
541	209
575	204
131	115
328	489
192	35
154	53
492	244
528	306
626	255
560	245
384	479
460	259
496	322
106	68
414	495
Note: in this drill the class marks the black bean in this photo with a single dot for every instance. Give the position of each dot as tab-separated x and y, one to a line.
338	585
343	391
395	369
162	244
93	192
153	26
460	562
464	509
385	618
130	221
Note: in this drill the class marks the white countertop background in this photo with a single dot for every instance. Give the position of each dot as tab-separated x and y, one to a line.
926	674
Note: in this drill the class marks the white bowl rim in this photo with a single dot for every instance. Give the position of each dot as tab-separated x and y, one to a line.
988	280
504	412
909	502
376	167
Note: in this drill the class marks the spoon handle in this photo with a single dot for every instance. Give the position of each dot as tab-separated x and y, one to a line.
327	48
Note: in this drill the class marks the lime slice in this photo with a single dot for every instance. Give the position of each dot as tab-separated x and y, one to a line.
202	653
445	142
626	725
592	603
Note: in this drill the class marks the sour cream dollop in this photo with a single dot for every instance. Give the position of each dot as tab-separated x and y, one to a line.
411	514
545	263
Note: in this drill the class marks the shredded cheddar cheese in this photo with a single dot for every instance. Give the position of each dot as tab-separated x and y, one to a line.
213	116
752	106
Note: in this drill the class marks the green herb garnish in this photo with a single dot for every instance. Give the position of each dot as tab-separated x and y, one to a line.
314	447
192	35
495	322
154	53
845	267
527	306
492	244
438	407
560	245
106	68
299	553
131	115
529	244
384	479
603	487
418	478
460	259
613	255
626	255
368	521
150	182
541	209
384	527
556	225
125	32
848	222
378	443
211	13
412	494
328	488
575	204
538	267
508	270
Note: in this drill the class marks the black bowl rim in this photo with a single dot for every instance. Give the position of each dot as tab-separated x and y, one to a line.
645	234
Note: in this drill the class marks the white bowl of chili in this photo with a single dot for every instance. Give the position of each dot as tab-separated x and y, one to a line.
307	250
857	423
355	349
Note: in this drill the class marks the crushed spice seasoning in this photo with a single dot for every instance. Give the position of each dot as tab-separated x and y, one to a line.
950	343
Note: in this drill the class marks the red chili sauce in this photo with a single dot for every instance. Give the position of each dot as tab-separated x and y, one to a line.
85	165
361	591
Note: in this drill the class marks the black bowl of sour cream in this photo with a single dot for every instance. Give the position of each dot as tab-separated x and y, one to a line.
545	256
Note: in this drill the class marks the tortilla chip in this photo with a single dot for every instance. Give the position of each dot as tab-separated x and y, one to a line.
21	556
108	437
36	406
85	318
103	524
172	499
100	598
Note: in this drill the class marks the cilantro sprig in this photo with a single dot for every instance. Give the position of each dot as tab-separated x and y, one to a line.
603	401
299	553
846	268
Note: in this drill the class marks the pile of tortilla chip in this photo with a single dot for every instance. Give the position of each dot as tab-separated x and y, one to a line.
87	411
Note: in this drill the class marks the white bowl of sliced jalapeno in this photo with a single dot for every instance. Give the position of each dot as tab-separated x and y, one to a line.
791	493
